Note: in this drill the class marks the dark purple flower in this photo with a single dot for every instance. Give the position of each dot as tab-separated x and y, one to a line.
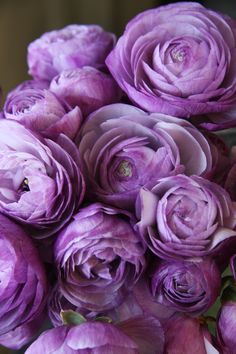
88	337
40	181
226	328
184	217
99	258
124	148
71	47
190	287
86	87
186	335
41	111
22	334
23	283
233	265
178	59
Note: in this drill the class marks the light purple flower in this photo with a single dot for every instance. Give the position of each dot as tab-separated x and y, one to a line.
88	337
23	283
124	148
186	335
178	59
71	47
41	111
184	217
99	258
40	181
189	287
28	84
87	88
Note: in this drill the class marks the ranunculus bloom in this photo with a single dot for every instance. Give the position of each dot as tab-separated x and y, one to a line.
28	84
185	335
41	111
99	258
88	337
86	87
57	303
184	217
124	148
40	185
71	47
178	59
190	287
23	282
22	334
226	328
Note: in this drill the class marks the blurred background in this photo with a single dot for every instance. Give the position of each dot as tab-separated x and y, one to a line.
22	21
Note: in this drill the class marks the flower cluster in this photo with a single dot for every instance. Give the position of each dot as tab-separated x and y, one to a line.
117	199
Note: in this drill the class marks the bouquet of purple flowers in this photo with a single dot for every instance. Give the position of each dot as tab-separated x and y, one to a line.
117	195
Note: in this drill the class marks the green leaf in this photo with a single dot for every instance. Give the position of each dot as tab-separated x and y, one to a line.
70	317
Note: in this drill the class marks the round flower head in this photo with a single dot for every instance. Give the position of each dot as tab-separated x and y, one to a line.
42	112
179	59
41	185
87	88
71	47
124	148
190	287
88	337
185	217
23	283
99	258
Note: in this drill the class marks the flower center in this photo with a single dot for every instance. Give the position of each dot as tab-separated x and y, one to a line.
124	169
25	185
178	55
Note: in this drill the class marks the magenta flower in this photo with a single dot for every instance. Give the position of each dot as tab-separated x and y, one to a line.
186	335
178	59
71	47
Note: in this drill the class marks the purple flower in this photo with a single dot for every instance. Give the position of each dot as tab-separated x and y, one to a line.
233	265
178	59
88	337
186	335
22	334
23	283
86	87
71	47
226	328
57	303
28	84
99	258
41	111
184	217
190	287
123	148
41	185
